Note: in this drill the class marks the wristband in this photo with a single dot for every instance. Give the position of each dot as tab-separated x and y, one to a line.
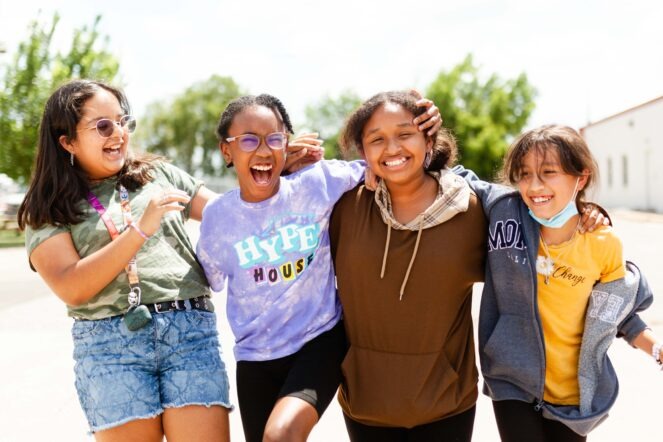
140	232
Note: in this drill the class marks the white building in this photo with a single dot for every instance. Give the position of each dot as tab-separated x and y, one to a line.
629	149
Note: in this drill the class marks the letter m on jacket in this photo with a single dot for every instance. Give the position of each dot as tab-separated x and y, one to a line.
505	235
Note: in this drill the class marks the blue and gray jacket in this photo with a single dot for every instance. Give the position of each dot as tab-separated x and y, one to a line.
511	344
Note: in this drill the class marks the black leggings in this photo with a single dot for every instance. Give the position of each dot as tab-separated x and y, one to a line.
312	374
456	428
518	421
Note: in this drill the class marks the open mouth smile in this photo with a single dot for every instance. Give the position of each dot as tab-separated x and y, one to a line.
262	173
113	151
540	199
395	162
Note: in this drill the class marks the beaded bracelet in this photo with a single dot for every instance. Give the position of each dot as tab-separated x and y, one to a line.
140	232
656	353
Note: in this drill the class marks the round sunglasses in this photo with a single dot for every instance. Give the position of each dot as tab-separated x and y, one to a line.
106	127
250	142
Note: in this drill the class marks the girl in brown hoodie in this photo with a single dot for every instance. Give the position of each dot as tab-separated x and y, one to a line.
406	258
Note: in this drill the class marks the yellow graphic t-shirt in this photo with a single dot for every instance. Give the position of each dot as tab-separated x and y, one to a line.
579	263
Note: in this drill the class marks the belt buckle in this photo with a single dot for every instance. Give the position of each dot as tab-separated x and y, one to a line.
157	307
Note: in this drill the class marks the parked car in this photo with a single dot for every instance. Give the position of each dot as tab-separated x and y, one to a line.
9	204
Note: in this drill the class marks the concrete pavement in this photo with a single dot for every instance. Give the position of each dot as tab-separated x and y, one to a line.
38	400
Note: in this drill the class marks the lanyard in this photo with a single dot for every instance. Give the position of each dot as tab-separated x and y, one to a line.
131	268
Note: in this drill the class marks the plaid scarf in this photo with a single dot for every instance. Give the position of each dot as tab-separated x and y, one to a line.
453	197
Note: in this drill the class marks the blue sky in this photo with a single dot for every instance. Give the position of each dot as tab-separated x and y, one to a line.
588	59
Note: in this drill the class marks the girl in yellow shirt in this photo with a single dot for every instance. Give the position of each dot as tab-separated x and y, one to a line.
582	298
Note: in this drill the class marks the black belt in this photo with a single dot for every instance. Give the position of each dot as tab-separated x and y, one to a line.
198	303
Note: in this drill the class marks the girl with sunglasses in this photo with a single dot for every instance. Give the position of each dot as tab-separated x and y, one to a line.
269	239
105	230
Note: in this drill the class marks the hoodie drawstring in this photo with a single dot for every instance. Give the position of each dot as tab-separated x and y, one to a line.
386	250
414	255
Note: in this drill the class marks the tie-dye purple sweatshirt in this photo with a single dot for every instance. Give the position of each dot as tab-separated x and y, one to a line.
275	254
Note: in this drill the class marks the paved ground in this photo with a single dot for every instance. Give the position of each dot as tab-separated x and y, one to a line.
38	401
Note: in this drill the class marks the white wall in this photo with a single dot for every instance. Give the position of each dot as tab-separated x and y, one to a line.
633	139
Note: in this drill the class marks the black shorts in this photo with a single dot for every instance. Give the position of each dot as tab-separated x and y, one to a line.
456	428
312	374
517	420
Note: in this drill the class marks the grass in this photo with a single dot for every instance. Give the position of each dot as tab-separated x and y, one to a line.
11	238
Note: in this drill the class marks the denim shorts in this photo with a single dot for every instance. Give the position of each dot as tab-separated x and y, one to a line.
172	362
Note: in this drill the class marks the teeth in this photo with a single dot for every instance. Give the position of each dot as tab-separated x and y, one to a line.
262	167
393	163
540	199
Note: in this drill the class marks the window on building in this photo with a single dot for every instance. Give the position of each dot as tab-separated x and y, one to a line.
625	170
609	172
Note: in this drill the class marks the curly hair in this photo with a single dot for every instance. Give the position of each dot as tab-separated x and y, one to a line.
445	151
239	104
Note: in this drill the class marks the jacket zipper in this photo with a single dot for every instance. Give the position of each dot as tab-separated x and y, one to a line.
535	312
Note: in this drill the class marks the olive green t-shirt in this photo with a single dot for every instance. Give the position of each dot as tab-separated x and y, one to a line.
167	265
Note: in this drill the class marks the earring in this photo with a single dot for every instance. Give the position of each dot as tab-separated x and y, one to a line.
428	158
71	159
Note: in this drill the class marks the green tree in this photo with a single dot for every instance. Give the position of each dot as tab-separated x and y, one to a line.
31	77
327	117
184	128
483	115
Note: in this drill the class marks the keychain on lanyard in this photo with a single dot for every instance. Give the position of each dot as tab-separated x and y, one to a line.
137	316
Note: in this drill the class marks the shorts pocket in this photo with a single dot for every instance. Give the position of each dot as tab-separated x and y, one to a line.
83	328
200	318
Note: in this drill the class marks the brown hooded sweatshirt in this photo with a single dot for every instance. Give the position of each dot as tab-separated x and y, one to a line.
411	358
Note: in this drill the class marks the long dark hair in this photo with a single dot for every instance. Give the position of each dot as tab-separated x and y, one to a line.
57	188
444	144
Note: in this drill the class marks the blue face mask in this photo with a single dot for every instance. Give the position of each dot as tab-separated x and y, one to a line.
560	218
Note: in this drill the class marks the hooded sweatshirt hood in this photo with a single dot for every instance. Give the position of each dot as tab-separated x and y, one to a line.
453	197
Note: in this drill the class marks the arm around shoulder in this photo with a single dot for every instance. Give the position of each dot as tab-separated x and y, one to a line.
199	201
486	191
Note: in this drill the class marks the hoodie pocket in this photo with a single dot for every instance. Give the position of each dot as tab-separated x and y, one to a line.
403	390
512	354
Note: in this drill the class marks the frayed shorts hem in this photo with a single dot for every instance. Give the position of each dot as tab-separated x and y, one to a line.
230	407
126	420
227	405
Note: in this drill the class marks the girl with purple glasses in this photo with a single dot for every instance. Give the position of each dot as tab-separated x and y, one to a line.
269	239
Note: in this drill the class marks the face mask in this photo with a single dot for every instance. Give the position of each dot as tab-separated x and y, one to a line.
560	218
